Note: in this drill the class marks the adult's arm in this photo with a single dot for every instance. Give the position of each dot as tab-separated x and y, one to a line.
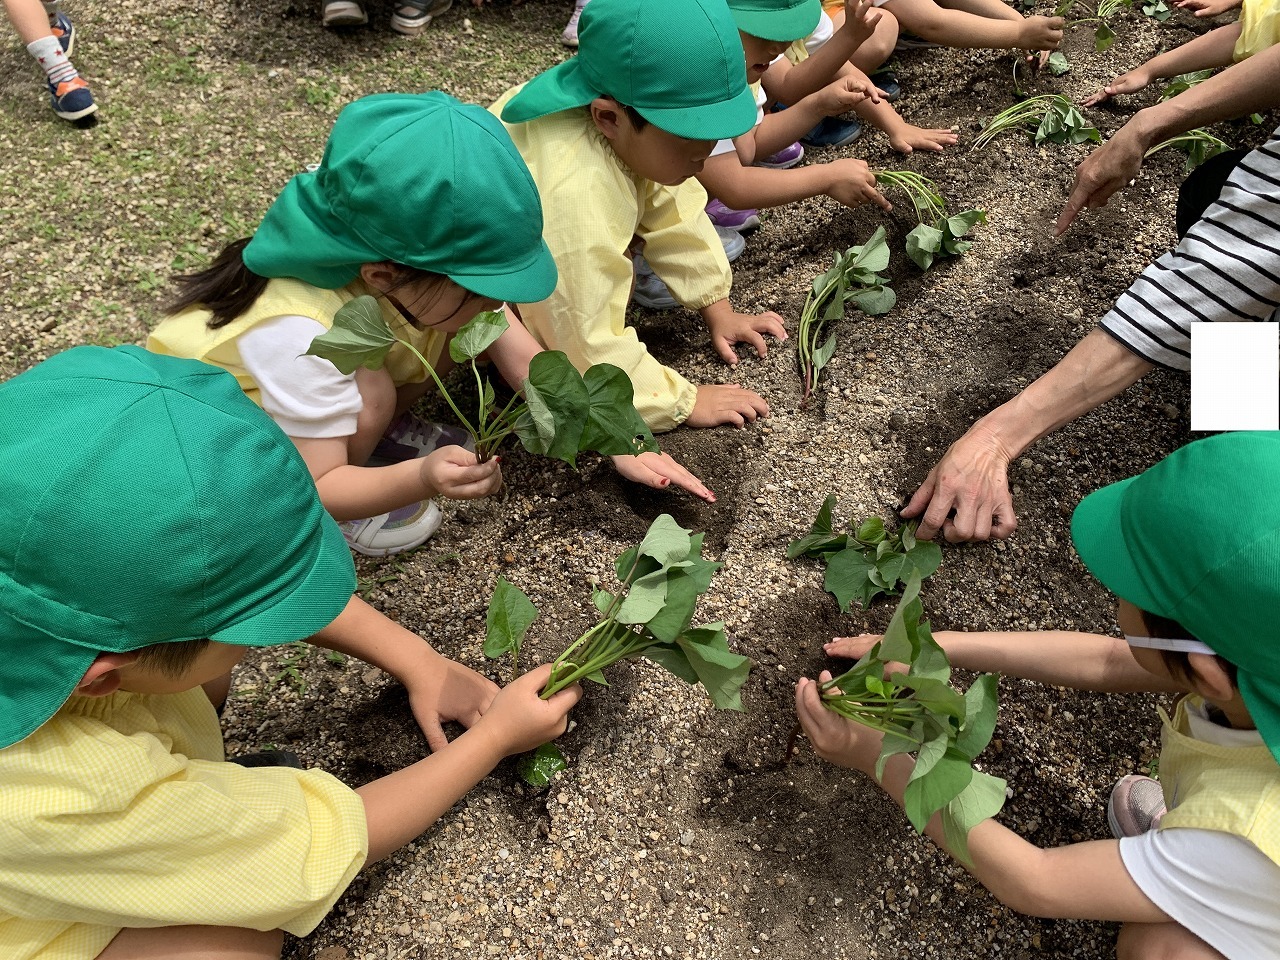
1246	87
973	475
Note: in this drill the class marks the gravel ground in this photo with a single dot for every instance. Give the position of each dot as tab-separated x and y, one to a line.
675	832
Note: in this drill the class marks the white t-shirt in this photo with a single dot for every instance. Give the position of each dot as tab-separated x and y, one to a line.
823	32
1219	886
306	396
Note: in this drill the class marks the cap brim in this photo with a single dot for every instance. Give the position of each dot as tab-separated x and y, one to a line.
1098	532
563	87
713	121
780	26
527	284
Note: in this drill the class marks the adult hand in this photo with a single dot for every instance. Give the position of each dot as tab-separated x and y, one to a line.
851	182
834	738
661	470
1110	167
971	479
1130	82
725	403
729	327
521	720
453	472
444	690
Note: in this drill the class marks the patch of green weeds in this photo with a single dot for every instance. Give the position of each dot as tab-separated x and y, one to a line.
320	93
165	68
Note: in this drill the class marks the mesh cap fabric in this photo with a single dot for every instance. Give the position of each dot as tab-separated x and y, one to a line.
779	20
1196	539
679	63
148	500
417	179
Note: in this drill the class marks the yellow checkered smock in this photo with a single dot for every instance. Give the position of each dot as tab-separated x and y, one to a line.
592	206
120	812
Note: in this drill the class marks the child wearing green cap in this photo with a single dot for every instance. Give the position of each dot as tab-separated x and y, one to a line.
1195	867
382	216
180	529
613	139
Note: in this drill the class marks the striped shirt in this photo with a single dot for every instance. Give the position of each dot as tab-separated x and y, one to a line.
1227	267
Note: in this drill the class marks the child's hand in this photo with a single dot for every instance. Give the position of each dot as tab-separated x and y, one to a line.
725	403
1130	82
860	18
1208	8
853	184
909	137
520	720
446	690
729	327
453	472
844	93
855	648
835	739
661	470
1041	33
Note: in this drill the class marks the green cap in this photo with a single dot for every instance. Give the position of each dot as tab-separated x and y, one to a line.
148	500
779	20
678	62
1196	539
418	179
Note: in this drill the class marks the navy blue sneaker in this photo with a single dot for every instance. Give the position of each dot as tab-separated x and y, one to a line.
832	132
61	28
72	99
887	82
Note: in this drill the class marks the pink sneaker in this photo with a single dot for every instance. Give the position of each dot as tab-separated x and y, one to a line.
784	159
731	219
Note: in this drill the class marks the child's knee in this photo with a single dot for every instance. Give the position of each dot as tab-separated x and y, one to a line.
213	943
1162	941
884	38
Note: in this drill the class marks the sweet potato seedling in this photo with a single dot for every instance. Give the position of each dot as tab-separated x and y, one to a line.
1049	118
853	278
1100	13
937	235
561	414
867	561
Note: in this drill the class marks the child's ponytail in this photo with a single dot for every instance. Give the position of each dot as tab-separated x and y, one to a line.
226	288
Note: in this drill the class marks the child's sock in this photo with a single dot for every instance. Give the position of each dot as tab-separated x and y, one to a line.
56	66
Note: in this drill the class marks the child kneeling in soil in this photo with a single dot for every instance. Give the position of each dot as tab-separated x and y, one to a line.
381	215
612	139
1196	866
178	530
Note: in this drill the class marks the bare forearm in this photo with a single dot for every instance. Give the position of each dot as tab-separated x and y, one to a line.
513	351
778	130
814	72
349	492
743	187
1213	49
366	634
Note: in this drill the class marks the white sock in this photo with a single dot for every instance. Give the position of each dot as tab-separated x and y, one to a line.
56	66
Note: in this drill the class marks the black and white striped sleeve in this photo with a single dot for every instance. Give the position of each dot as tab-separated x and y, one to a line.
1227	267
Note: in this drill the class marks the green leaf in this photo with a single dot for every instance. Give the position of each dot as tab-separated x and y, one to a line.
960	224
817	545
508	618
980	800
601	599
614	427
1058	63
1103	38
899	641
359	337
894	744
934	693
846	576
822	356
928	794
477	335
923	243
597	677
981	707
537	767
645	598
556	396
930	661
666	541
671	657
925	557
822	523
720	670
684	586
872	255
874	301
870	531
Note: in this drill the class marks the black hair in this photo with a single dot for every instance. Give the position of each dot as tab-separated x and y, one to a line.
172	659
632	113
1178	661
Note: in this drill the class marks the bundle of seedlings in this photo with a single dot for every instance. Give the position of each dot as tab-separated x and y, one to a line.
1049	118
558	413
854	278
868	561
938	235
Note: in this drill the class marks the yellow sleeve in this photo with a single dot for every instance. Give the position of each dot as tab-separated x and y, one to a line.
591	210
108	827
1259	28
682	246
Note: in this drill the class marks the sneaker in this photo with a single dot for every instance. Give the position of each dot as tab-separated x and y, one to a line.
570	35
731	219
389	533
784	159
886	82
410	437
1136	806
72	99
342	13
832	132
61	28
649	290
909	41
732	241
411	17
269	758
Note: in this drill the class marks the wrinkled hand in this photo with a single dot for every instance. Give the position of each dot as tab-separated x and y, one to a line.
1208	8
853	184
661	470
1130	82
1112	166
844	93
719	403
520	720
861	17
1042	34
910	137
835	739
445	690
731	327
452	472
971	479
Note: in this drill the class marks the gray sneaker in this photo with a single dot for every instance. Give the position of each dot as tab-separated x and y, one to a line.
1136	806
570	35
393	532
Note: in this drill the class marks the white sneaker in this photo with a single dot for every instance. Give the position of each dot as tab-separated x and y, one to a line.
570	36
393	532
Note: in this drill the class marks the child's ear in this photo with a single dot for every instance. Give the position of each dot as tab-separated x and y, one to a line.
103	676
1209	677
382	276
607	116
